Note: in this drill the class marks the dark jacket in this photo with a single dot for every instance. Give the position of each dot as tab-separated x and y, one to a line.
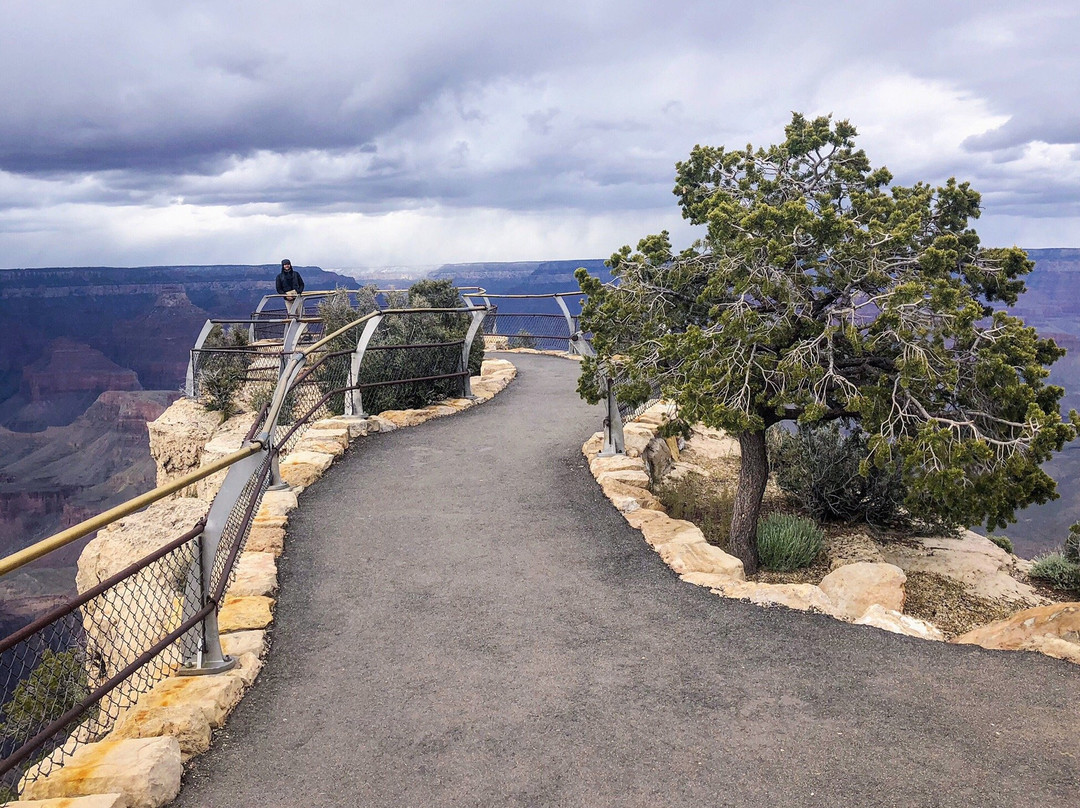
289	282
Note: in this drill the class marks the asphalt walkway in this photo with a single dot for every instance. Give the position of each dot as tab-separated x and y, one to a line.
464	620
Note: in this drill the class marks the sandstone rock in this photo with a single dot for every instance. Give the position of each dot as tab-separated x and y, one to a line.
657	457
145	770
267	535
638	479
852	548
277	503
256	574
301	469
377	424
244	642
247	668
215	695
403	418
227	438
668	530
244	613
459	404
803	597
593	445
177	438
492	366
496	342
636	437
326	440
187	723
95	801
1060	621
599	465
854	588
979	564
628	497
642	516
440	410
1053	647
711	444
356	424
890	620
134	537
700	557
682	468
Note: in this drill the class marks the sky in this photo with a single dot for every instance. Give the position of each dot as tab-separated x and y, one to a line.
349	134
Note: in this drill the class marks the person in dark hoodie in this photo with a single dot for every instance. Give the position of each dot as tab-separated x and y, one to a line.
289	282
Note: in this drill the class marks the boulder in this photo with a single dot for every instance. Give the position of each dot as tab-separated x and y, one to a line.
657	457
803	597
403	418
215	696
187	723
890	620
638	479
642	516
1029	629
244	642
95	801
146	771
980	565
356	424
301	469
593	445
256	574
227	438
267	535
700	557
667	530
707	444
328	440
177	437
854	588
636	438
600	465
628	497
490	367
277	503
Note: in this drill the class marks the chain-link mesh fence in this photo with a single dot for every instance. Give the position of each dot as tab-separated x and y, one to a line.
549	332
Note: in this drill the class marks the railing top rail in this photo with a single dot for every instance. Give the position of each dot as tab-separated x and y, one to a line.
309	349
75	532
523	297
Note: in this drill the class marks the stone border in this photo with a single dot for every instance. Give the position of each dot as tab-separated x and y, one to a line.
863	593
139	764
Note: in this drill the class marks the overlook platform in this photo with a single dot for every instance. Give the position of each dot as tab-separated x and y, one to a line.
465	620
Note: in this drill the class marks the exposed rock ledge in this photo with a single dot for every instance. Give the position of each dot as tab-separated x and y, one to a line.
140	762
866	585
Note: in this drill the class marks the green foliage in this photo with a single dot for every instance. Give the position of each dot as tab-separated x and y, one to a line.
1071	549
819	291
1057	570
827	471
57	683
222	373
694	498
787	542
1004	542
522	340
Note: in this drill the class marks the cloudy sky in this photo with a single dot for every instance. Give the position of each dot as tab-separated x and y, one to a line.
348	133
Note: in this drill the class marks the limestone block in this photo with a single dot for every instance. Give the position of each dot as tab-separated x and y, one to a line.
301	469
1054	647
712	444
669	531
146	771
682	468
267	535
277	503
803	597
979	564
356	424
700	557
496	343
854	588
244	642
898	623
593	445
492	366
402	418
185	722
439	410
247	668
244	613
600	465
636	438
95	801
328	441
628	497
638	479
177	437
459	403
643	516
1059	621
256	574
215	695
378	424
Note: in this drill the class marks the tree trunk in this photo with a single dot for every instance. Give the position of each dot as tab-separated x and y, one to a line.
753	474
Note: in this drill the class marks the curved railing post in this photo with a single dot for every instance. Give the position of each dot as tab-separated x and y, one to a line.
255	316
474	327
354	404
614	442
577	343
189	380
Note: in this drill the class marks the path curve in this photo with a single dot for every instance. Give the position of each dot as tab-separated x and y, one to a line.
465	621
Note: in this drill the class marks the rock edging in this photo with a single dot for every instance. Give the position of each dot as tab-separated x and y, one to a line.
140	763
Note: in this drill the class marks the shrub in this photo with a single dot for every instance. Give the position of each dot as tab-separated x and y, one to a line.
1004	542
523	339
787	542
694	499
822	468
222	373
1071	549
1057	570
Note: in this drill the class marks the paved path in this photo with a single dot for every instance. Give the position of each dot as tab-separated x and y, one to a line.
465	621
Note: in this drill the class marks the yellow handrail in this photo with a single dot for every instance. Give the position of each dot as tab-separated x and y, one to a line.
75	532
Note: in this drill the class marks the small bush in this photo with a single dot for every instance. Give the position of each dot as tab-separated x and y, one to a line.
523	339
787	542
1071	550
1057	570
1004	542
223	373
820	467
708	506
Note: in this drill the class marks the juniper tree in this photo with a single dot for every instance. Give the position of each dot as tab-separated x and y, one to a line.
820	291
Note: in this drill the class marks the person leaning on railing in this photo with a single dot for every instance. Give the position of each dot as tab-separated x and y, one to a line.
289	282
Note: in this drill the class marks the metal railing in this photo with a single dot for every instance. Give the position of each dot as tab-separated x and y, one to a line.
67	678
535	321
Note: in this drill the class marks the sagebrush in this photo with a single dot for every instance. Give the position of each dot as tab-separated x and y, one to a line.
787	542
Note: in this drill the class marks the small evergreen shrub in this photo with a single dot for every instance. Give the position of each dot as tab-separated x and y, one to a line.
1057	570
787	542
223	372
1004	542
821	467
523	339
1071	550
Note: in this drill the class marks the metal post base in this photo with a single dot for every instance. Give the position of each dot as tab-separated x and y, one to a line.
207	668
